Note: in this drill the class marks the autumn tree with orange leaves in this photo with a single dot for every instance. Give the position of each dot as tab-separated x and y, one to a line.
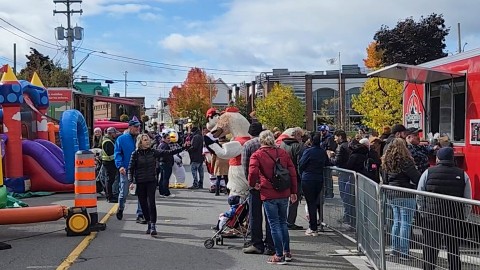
193	98
374	56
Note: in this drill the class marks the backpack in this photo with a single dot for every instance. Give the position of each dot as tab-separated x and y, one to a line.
281	176
370	165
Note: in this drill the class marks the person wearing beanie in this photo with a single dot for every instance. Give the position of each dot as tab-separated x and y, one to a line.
257	244
97	138
442	218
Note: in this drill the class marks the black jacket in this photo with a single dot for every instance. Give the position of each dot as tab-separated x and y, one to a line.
142	165
408	177
196	148
168	153
357	160
342	153
445	179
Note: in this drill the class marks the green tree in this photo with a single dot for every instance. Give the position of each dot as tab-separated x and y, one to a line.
380	102
124	118
145	119
412	42
280	108
324	115
51	74
242	105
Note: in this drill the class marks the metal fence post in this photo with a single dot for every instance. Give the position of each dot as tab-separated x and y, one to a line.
358	225
381	226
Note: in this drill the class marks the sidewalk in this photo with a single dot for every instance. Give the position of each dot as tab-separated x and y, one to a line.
184	223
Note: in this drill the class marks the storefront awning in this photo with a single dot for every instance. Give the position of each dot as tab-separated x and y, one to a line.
116	100
414	74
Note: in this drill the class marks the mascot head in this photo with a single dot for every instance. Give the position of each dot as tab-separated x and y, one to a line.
212	118
231	122
173	136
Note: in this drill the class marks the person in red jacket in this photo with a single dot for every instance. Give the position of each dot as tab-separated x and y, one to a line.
275	202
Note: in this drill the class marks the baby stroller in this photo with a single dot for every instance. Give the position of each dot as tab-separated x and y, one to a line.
99	171
237	225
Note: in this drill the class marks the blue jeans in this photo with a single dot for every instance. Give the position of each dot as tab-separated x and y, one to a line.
122	196
346	187
197	167
276	211
403	210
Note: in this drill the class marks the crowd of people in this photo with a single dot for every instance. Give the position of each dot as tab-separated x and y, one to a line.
395	158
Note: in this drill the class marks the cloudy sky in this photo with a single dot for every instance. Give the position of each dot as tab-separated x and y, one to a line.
156	41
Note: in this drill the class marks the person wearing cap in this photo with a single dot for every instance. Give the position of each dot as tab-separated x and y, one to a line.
256	245
108	161
398	131
97	138
328	144
419	152
443	218
124	147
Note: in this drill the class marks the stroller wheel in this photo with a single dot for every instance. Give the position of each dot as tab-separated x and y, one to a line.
209	243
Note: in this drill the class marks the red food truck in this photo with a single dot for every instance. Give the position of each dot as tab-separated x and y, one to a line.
442	96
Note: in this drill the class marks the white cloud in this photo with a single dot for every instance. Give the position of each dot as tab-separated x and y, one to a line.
194	43
149	16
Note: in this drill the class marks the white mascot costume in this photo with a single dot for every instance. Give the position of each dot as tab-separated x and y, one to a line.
232	122
178	170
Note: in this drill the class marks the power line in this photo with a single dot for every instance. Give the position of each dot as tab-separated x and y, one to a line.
172	65
126	57
160	67
32	36
34	42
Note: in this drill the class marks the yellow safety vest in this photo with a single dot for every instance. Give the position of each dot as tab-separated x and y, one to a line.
106	157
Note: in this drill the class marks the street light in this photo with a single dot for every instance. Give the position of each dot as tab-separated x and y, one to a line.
261	78
84	59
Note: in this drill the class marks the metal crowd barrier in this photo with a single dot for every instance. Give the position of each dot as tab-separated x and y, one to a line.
398	228
339	201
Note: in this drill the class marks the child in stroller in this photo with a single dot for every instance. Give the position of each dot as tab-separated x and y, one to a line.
234	202
231	223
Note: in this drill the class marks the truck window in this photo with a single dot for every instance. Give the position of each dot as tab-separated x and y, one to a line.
446	105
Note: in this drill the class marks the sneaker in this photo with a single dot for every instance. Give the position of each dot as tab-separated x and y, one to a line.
149	229
141	220
252	250
294	227
269	251
170	196
154	230
276	260
119	214
287	256
193	187
310	232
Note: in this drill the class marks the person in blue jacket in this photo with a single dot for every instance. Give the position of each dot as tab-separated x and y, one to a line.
311	165
124	147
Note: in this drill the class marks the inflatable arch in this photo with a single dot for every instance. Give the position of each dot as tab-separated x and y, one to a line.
74	137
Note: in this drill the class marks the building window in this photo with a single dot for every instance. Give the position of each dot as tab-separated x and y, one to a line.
446	100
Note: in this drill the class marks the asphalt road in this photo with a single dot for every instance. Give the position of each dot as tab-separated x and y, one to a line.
183	225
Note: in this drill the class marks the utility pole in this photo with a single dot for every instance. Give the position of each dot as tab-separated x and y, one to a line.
125	73
341	94
15	58
459	39
72	33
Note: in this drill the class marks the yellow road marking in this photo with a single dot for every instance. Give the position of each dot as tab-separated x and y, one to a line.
73	256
